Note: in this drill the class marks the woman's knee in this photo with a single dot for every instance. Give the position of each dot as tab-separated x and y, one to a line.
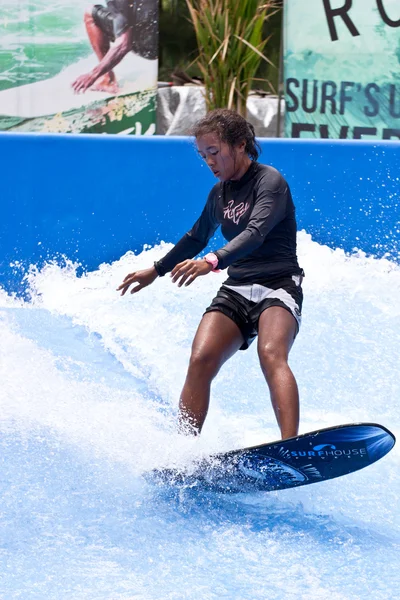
271	357
204	362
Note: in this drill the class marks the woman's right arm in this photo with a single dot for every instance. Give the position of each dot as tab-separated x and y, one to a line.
193	242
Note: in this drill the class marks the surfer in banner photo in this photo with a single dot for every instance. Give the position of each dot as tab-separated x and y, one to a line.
114	30
262	296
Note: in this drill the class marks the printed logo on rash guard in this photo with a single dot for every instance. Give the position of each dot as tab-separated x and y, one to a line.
235	213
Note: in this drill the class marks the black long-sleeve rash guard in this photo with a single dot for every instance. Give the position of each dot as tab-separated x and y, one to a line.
257	217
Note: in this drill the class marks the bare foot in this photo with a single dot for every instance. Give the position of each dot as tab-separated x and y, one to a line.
107	83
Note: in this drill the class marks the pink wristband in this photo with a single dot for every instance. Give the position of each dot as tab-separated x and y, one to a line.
212	260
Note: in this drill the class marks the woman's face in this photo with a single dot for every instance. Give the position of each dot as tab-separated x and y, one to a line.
224	161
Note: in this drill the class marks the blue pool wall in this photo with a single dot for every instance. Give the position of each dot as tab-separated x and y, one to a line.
91	198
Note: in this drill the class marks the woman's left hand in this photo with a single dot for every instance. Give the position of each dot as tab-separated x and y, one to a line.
188	270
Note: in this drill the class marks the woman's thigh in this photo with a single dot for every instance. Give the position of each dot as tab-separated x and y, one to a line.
277	329
217	338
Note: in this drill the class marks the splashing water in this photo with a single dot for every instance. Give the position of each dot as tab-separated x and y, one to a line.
90	383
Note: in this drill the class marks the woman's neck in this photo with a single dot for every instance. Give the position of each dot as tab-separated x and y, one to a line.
242	169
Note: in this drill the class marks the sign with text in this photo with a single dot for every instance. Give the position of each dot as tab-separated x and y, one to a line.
342	69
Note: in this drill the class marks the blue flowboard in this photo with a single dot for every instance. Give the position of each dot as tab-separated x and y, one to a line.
308	458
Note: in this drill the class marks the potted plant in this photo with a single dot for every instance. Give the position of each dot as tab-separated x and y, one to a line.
231	47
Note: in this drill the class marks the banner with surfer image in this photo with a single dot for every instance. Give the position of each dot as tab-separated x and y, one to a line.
72	67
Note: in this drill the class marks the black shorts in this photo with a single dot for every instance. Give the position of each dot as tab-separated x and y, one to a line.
245	303
117	17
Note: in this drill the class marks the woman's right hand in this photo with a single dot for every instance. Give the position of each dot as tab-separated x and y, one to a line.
143	278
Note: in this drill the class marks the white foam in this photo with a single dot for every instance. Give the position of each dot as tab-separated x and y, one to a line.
150	334
82	436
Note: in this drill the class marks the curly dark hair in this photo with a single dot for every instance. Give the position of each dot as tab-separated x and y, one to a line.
231	128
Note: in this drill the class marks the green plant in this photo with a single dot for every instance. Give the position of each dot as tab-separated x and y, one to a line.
231	47
177	40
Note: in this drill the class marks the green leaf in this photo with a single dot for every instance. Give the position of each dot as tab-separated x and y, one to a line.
231	47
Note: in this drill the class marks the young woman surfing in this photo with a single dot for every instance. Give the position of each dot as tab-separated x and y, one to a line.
262	297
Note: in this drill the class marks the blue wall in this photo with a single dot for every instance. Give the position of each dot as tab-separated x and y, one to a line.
92	198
